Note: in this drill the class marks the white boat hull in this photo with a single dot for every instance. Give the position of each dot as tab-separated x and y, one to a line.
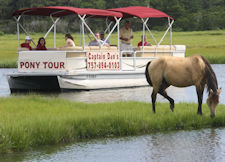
76	82
103	81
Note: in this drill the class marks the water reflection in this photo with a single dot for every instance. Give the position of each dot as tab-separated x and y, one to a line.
196	145
142	94
4	86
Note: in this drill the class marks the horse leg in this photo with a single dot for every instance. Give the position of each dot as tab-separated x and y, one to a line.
200	96
162	91
154	93
164	94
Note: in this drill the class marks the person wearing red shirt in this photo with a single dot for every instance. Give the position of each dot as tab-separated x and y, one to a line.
27	43
41	44
146	43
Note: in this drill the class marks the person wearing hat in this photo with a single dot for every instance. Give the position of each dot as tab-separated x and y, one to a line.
27	43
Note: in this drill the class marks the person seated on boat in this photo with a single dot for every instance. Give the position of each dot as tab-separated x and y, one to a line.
102	37
41	44
69	41
126	36
146	43
27	42
97	41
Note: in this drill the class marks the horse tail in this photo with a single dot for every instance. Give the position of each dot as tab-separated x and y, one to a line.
210	76
147	74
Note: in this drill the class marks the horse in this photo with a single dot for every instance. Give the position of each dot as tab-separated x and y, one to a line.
183	72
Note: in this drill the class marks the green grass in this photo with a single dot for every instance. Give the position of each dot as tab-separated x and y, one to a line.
32	121
207	43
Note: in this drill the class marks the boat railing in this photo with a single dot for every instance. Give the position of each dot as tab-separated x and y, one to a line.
137	58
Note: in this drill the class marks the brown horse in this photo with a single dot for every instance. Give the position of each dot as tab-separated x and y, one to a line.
183	72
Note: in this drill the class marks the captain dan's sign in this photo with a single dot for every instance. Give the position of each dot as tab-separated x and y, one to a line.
41	61
103	60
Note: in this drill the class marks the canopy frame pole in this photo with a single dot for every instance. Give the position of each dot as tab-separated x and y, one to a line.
81	43
88	33
170	36
83	34
85	24
170	26
143	34
18	29
149	31
116	24
108	28
170	31
53	25
19	24
118	39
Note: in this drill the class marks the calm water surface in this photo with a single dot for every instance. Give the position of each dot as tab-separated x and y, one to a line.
181	146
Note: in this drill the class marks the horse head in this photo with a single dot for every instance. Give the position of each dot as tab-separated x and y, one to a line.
213	100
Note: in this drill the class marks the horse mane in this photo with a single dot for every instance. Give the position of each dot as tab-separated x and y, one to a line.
210	76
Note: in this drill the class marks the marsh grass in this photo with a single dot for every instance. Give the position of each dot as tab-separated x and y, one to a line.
207	43
8	64
33	121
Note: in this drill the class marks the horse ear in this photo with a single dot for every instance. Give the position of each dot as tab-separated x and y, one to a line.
219	90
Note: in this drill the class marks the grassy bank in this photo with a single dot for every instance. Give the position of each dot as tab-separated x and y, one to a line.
207	43
33	121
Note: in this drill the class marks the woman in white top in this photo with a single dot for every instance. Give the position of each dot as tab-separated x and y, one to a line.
69	41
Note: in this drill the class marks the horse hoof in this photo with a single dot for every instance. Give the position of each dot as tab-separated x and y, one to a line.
172	108
199	113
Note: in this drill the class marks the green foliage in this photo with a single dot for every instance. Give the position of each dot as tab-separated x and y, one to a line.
31	121
189	15
1	33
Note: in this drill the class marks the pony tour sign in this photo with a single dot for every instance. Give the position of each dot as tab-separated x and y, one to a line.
43	65
104	60
41	62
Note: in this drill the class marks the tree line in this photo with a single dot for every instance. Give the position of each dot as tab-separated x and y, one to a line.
189	15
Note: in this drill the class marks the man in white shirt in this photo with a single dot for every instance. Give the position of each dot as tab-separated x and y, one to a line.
102	37
126	36
97	42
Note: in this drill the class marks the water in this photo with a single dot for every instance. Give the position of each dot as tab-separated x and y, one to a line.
4	86
142	94
195	145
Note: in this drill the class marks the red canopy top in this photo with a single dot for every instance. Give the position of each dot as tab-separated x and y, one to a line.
58	11
140	12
